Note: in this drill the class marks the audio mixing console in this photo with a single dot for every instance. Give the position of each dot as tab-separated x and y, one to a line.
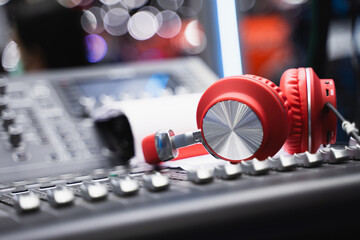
60	178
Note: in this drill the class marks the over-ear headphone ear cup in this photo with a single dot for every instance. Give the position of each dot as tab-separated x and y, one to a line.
293	85
263	97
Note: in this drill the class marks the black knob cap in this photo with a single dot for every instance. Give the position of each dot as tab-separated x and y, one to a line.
8	117
15	135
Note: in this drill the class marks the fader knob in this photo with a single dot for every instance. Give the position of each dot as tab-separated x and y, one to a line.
8	117
26	202
3	85
15	135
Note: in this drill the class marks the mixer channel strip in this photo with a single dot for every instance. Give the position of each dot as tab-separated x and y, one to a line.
111	192
92	189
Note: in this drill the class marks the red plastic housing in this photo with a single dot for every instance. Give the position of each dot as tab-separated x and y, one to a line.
149	150
322	121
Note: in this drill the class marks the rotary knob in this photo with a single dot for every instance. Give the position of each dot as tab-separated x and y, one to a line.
8	117
15	135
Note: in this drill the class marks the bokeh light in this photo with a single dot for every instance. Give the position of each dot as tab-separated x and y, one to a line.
294	2
170	4
3	2
85	3
92	20
131	4
246	5
170	24
116	21
110	2
195	38
10	57
142	25
88	21
69	3
290	4
151	9
96	48
191	8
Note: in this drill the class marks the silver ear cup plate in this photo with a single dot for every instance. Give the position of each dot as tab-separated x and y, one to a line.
232	130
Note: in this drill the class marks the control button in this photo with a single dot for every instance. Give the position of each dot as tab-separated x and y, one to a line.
307	159
25	202
332	155
282	163
53	156
3	85
156	182
353	152
228	171
255	167
93	191
8	117
15	135
60	196
21	155
200	176
124	186
4	100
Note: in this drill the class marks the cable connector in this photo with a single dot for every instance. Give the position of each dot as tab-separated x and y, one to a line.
349	127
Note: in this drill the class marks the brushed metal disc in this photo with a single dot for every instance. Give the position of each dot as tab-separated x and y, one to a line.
232	130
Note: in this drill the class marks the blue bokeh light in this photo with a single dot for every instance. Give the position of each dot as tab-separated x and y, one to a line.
96	48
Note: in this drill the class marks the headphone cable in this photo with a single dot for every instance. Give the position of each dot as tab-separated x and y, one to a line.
348	127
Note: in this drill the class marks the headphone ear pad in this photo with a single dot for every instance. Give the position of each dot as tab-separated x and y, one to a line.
293	85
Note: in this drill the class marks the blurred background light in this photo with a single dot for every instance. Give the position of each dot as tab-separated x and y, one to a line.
294	2
96	48
195	37
69	3
92	20
10	57
142	25
3	2
192	9
110	2
85	3
89	21
170	4
151	9
246	5
132	4
170	24
115	21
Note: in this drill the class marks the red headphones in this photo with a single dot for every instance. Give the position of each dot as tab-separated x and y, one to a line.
245	117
